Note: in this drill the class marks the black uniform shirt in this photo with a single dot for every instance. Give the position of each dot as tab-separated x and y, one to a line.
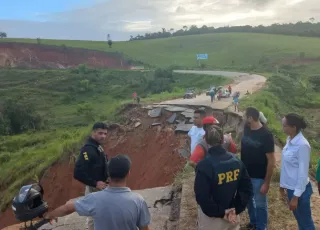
91	165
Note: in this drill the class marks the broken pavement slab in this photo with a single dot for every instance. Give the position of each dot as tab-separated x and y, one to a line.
147	107
137	124
189	110
159	106
187	114
172	119
155	112
175	108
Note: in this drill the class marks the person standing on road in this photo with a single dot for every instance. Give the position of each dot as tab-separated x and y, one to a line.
201	149
236	103
230	89
91	165
212	95
294	177
196	132
114	208
222	186
257	154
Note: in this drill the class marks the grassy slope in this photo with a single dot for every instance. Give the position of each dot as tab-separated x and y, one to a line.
22	157
244	48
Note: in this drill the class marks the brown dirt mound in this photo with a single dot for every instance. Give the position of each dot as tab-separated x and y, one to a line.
153	151
36	56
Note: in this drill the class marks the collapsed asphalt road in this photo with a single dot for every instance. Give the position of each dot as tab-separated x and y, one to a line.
242	82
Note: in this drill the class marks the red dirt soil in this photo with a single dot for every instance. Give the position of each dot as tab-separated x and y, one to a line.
35	56
153	151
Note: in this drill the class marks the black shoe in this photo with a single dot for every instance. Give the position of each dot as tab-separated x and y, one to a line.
251	226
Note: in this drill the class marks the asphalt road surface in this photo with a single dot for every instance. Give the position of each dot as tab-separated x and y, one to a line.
242	82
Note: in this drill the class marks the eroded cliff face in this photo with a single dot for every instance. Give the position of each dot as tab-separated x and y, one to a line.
36	56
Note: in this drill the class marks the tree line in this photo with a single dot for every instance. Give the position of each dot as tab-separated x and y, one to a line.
307	29
3	34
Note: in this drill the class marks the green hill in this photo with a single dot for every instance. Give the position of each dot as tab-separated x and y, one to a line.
225	50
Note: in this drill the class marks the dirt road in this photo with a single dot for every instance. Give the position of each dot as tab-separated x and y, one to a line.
242	82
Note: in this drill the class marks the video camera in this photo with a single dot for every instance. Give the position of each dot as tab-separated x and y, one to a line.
28	204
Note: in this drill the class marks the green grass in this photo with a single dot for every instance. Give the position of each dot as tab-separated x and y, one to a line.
245	49
57	95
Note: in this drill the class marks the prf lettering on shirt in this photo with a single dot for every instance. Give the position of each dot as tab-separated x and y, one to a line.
85	155
229	176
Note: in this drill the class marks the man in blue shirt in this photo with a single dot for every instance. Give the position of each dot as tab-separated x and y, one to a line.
113	208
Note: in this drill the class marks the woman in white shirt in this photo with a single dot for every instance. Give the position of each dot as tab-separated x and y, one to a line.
294	177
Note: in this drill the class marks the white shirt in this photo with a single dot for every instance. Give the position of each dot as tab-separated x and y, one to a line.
295	164
196	134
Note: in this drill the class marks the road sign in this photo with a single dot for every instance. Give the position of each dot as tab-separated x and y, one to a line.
202	56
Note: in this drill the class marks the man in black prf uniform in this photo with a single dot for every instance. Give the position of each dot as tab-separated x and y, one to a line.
91	166
222	186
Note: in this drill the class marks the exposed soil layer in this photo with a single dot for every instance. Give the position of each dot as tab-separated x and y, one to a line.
36	56
152	149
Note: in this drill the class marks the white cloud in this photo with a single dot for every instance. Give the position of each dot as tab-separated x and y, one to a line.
124	17
136	26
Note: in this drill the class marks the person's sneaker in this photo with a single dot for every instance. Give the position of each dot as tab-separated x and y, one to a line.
251	226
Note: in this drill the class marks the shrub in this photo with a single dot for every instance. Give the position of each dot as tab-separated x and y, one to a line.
18	117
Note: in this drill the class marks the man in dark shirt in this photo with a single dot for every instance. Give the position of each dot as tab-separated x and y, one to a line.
222	186
257	154
91	165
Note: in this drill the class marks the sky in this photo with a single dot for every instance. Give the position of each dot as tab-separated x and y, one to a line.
94	19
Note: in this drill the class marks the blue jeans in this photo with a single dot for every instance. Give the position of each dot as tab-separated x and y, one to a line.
258	206
303	211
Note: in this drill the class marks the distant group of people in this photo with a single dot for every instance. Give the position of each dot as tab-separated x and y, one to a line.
218	92
224	185
235	96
